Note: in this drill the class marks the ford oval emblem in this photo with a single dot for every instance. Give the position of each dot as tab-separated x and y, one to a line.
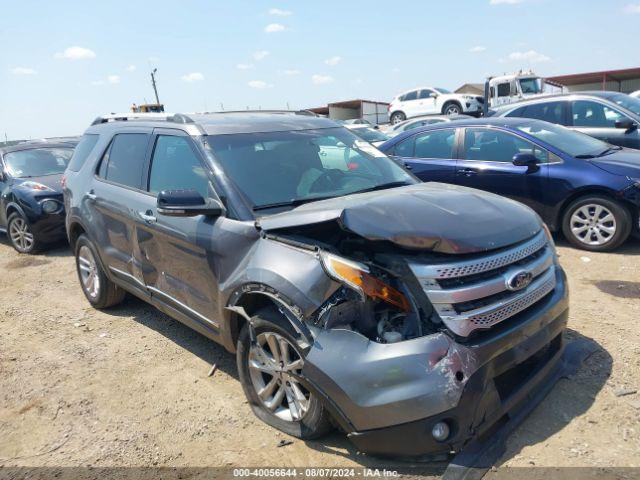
519	280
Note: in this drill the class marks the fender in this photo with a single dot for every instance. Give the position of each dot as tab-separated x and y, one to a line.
291	312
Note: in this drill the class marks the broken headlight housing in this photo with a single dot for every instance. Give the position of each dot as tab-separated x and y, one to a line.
358	277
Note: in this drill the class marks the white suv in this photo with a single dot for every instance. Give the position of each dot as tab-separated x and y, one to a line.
428	100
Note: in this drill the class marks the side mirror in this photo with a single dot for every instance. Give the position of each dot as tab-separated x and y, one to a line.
433	95
526	160
627	124
187	203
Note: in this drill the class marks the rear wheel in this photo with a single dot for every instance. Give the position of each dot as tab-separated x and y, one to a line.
269	371
451	108
21	235
596	223
99	290
397	117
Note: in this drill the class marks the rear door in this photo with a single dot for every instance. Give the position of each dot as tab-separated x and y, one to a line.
176	252
113	201
599	120
486	156
430	155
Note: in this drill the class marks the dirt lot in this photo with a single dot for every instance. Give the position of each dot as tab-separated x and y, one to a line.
129	386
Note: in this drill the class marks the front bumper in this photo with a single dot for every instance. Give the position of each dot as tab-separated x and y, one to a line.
388	397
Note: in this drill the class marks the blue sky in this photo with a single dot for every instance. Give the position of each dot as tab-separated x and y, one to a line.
63	63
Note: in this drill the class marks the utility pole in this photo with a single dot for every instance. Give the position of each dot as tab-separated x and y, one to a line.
153	82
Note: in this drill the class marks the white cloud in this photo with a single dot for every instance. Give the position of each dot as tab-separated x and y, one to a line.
97	83
291	72
244	66
259	84
113	79
504	2
76	53
193	77
23	71
274	27
529	56
131	68
477	49
321	79
280	13
632	8
333	61
260	55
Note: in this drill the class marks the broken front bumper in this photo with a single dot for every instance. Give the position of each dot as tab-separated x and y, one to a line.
388	397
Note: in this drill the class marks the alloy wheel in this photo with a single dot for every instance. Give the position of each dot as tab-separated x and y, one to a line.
21	235
593	224
274	365
452	110
88	271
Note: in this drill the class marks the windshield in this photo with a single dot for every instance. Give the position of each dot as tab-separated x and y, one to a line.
37	162
531	85
442	90
625	101
370	134
573	143
289	168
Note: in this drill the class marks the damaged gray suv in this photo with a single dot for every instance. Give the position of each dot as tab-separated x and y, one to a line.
414	316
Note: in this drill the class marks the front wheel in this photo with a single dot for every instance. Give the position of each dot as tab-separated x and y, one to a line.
452	109
22	238
596	223
269	371
397	117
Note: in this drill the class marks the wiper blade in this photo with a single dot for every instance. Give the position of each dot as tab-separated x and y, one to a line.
609	150
383	186
294	202
586	155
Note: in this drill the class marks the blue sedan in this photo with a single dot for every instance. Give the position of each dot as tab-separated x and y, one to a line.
587	188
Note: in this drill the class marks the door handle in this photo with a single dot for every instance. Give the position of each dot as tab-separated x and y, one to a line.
408	166
90	195
468	172
147	216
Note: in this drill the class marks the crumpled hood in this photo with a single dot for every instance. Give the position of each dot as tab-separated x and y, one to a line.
427	216
625	162
52	181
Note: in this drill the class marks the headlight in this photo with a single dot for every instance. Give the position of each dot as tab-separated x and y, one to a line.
36	186
357	276
50	206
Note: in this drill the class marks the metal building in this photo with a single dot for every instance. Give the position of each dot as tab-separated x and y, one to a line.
374	112
625	81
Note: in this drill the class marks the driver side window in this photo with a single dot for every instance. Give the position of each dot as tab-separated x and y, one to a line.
497	146
175	166
594	115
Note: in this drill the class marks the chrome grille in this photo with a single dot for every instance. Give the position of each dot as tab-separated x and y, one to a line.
473	303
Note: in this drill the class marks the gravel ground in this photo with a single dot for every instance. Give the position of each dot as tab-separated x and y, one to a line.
129	386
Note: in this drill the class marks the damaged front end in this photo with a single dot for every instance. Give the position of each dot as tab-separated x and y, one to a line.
416	351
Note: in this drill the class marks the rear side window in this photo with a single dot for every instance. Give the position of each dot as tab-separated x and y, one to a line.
124	161
410	96
435	144
176	167
595	115
551	112
82	151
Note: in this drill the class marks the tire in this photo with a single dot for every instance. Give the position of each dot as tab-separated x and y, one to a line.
451	108
315	421
397	117
596	223
20	235
99	290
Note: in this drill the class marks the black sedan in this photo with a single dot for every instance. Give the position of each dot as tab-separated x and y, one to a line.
31	204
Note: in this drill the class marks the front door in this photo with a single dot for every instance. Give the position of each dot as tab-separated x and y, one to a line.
426	102
486	164
599	120
176	253
430	155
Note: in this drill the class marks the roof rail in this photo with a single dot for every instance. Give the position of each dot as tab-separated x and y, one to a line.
290	112
114	117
